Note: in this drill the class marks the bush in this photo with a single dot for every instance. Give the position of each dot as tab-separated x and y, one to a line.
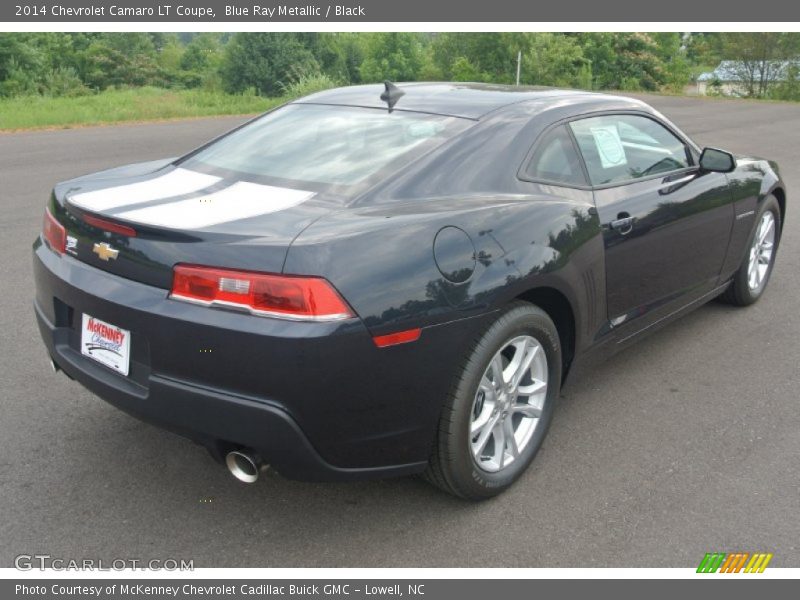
463	70
64	82
789	89
265	61
630	84
309	84
714	88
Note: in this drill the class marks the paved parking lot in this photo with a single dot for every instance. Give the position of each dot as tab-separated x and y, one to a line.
687	443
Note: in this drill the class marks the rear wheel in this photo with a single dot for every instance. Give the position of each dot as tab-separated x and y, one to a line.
501	405
750	281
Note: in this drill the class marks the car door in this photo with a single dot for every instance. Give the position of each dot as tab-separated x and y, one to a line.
666	224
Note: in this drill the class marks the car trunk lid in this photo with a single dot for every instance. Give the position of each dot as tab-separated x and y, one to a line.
139	225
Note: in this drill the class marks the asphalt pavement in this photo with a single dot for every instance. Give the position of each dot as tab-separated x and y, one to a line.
685	444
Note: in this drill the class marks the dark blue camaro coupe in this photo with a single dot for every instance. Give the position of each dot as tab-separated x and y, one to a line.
384	280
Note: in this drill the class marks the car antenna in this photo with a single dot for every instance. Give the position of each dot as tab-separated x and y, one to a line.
391	94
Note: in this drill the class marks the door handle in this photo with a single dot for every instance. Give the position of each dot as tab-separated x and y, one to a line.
672	183
623	223
685	179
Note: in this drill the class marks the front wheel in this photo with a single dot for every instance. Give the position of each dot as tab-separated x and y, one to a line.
750	281
501	405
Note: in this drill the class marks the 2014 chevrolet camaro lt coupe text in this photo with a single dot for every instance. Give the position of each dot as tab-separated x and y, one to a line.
383	280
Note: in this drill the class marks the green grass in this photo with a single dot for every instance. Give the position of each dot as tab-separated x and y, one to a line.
116	106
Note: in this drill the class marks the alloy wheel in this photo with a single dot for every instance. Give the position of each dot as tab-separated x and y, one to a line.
761	251
508	403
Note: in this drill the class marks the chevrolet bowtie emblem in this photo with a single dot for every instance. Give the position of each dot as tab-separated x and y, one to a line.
105	252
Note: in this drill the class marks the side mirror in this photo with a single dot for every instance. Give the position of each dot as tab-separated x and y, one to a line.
718	161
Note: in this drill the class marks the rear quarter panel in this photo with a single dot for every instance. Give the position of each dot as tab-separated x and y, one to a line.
382	258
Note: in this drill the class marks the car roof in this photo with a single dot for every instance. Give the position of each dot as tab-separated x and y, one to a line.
467	100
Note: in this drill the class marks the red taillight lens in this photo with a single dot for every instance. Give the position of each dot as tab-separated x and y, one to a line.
107	225
54	233
304	298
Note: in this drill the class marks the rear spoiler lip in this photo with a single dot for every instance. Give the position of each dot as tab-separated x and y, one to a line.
142	231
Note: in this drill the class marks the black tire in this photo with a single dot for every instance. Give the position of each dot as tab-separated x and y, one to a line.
452	466
739	292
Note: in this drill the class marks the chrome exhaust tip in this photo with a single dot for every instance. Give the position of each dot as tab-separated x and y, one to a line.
54	366
245	466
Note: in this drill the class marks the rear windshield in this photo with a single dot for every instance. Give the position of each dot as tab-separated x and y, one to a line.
327	144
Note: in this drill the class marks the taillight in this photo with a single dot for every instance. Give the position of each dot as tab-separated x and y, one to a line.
107	225
54	233
288	297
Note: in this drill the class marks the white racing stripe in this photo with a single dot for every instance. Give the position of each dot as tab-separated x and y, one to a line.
239	201
175	183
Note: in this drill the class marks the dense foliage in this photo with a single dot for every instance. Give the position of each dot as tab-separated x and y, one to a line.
269	64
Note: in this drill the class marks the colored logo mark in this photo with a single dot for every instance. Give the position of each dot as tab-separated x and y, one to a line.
735	562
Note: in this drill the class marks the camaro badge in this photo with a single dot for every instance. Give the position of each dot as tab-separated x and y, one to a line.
105	252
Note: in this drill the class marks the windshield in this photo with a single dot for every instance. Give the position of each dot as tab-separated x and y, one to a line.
338	145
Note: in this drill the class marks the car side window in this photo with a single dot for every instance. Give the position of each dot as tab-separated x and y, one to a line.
621	148
555	159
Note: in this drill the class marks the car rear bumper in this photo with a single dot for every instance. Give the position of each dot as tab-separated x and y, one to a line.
318	401
219	420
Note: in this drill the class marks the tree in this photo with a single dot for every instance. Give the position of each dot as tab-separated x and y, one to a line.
329	53
352	48
56	63
623	60
42	63
393	56
555	60
201	60
492	56
463	70
204	51
20	63
118	59
703	48
169	57
671	49
789	88
265	62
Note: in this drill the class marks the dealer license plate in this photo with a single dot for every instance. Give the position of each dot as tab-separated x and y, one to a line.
106	343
